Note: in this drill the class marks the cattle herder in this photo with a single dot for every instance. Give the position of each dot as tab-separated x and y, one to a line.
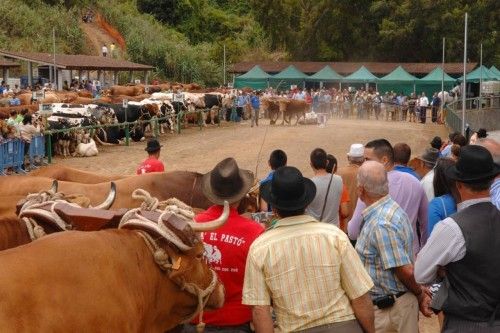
152	163
226	249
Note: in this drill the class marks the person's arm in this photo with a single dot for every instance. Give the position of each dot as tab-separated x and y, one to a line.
363	310
354	225
445	245
434	215
262	320
263	206
405	275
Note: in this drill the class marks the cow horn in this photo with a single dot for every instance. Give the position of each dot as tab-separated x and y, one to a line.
54	186
110	199
212	225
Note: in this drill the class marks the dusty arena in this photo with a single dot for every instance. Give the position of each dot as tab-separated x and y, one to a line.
199	151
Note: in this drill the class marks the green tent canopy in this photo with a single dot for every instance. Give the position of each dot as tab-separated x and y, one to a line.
362	75
398	80
255	78
327	74
475	75
287	77
431	83
495	71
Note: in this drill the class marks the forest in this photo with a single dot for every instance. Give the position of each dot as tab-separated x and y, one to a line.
184	39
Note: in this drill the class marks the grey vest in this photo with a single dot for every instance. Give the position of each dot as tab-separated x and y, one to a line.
474	292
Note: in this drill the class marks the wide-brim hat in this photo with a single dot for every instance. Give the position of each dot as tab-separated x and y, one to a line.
152	146
226	182
288	190
430	155
475	163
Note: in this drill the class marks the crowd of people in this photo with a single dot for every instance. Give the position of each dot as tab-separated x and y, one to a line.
433	250
363	104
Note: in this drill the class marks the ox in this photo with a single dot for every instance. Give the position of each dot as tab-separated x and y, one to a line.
271	109
145	277
292	107
127	90
61	172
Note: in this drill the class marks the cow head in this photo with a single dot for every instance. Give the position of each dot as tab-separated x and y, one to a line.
172	235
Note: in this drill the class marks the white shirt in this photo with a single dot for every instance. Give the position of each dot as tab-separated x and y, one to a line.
424	101
427	184
104	49
446	245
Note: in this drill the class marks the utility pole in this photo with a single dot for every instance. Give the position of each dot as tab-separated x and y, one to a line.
224	65
54	59
481	78
464	90
442	82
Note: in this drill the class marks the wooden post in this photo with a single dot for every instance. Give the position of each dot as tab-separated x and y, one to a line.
130	77
115	77
30	73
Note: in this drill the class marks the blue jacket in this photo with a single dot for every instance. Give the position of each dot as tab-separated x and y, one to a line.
255	102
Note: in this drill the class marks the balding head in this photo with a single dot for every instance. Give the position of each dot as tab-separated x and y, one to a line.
493	147
372	182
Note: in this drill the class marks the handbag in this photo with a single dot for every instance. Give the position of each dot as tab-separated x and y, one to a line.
326	198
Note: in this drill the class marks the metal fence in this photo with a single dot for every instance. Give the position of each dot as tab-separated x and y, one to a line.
479	113
12	153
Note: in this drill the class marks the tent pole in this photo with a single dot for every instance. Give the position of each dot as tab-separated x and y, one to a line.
481	77
442	79
464	90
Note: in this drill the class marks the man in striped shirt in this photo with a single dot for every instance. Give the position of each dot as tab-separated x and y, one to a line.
385	248
307	269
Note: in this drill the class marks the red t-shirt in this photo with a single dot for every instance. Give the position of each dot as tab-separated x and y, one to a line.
226	250
150	164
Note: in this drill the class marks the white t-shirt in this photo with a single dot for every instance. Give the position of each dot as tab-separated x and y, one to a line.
427	184
331	213
104	49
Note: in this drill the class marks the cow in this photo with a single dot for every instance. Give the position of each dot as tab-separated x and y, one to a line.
64	173
127	90
292	107
271	109
145	277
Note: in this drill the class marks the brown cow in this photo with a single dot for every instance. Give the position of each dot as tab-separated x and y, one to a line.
271	108
127	90
126	287
292	107
64	173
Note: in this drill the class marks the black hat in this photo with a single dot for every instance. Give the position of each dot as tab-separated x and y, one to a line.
430	155
153	146
288	190
226	182
475	163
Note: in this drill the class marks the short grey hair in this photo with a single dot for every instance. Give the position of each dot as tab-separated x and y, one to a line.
493	147
373	178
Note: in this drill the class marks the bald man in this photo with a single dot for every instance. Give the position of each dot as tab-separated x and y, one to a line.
385	246
493	147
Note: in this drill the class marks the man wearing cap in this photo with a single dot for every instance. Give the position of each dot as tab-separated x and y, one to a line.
308	270
152	163
428	161
403	188
226	249
355	158
466	245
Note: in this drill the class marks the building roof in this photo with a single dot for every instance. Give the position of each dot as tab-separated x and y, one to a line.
7	63
77	61
346	68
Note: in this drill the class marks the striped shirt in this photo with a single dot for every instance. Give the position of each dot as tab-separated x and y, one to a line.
385	242
308	269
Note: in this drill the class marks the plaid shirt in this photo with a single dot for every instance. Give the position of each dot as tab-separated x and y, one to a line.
385	242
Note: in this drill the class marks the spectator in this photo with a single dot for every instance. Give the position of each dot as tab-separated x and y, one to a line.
446	152
436	103
402	154
241	102
466	245
26	131
104	50
333	285
445	202
255	102
331	167
326	203
226	182
277	159
355	157
152	163
12	118
403	188
437	143
455	152
493	147
21	115
428	161
112	49
424	103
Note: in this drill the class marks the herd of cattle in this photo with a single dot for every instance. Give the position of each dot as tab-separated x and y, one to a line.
125	265
77	109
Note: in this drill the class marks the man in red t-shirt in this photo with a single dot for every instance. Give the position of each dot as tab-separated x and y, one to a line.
152	163
226	248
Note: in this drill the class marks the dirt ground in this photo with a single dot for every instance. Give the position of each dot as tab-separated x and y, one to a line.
197	150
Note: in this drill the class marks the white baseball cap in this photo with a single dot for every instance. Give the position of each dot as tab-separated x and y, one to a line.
356	150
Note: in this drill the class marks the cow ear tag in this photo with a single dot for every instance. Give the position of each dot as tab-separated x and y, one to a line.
177	264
